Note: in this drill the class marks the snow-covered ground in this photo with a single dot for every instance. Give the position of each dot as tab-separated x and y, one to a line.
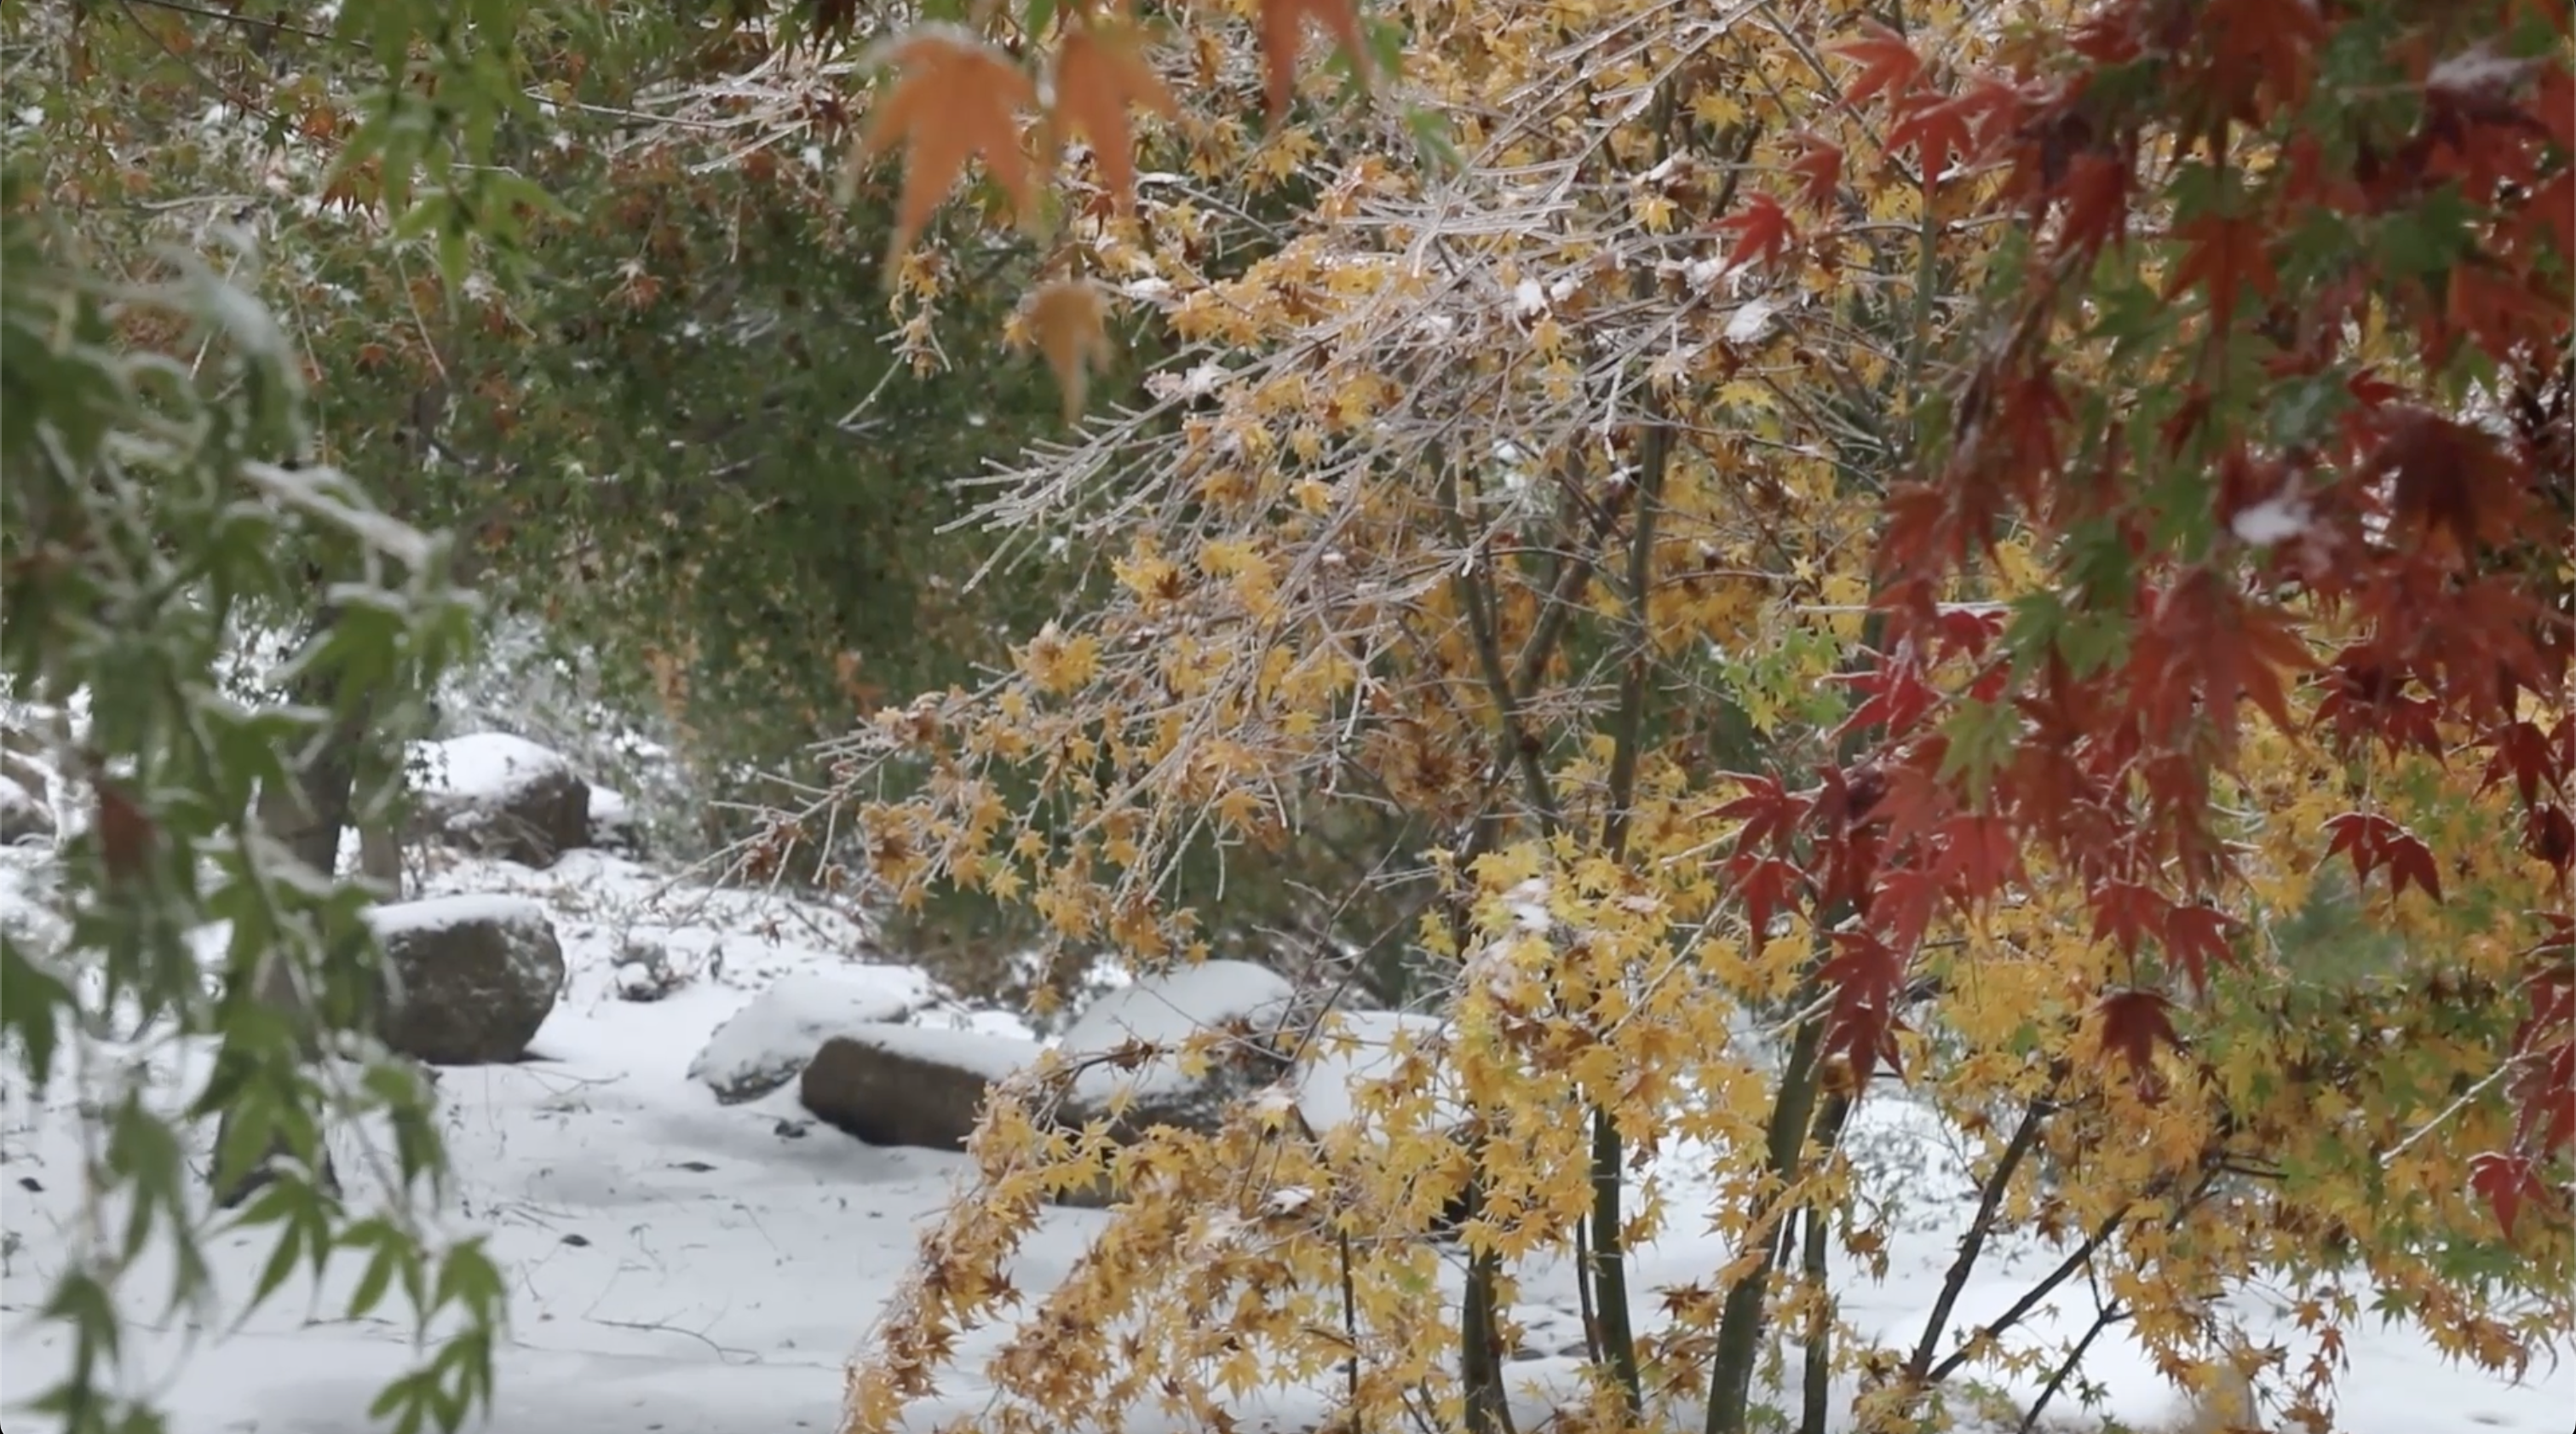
685	1267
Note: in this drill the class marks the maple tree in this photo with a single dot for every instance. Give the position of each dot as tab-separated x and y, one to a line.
1945	556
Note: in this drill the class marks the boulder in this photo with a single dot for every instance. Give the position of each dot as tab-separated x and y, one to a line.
1246	1008
502	796
767	1042
613	826
1354	1051
24	816
909	1085
471	977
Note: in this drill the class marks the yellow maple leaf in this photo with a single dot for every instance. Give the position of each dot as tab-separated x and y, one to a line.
1099	72
957	99
1069	320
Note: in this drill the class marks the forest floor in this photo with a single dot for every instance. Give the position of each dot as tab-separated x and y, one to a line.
683	1267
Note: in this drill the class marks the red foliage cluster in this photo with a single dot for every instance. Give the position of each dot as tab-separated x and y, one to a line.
2436	530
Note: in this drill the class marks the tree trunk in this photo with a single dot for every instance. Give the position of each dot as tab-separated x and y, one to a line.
306	816
380	855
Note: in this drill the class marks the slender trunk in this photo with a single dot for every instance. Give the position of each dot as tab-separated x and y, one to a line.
306	815
1817	1225
1480	1354
1817	1395
1609	1272
1740	1321
1973	1243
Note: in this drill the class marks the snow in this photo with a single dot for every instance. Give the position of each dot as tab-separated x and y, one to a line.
2274	520
1167	1010
485	766
766	1043
2479	71
439	913
684	1267
609	809
995	1056
1751	322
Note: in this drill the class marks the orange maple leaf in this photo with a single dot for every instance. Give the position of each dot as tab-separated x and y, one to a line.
1283	35
1070	322
1099	72
957	100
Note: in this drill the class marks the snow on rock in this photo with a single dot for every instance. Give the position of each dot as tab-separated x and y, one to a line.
473	977
767	1042
1245	1006
1358	1050
909	1085
498	795
613	826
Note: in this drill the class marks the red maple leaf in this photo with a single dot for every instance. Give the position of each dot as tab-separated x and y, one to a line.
1901	905
1866	976
2373	841
2226	256
2134	1023
1769	811
1762	232
2549	834
2259	49
2214	642
1937	128
2125	912
1767	887
2450	477
1887	63
1819	172
2507	1180
2096	194
2196	936
1978	853
1894	696
2528	755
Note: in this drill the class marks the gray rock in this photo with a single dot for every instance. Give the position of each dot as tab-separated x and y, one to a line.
472	977
23	814
502	796
907	1085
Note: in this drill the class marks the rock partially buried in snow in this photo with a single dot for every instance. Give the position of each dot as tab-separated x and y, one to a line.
1242	1007
502	796
474	977
1358	1052
777	1035
909	1085
613	826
